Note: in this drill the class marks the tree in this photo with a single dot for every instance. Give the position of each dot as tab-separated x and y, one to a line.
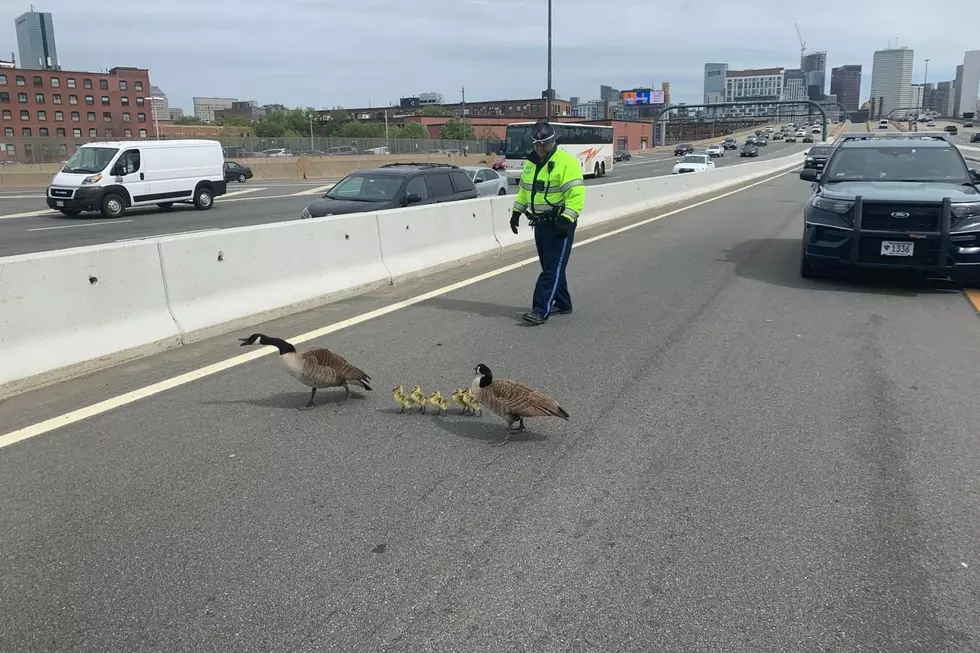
487	134
454	130
413	130
233	121
435	110
362	130
187	120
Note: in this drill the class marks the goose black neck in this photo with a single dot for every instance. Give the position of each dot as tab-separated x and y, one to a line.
280	344
486	379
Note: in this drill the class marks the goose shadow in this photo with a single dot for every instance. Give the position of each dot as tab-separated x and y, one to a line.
484	430
292	400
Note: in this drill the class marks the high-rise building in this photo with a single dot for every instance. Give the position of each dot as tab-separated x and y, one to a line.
794	86
204	107
714	82
759	86
35	41
159	104
814	64
891	81
957	85
608	94
845	83
942	99
967	89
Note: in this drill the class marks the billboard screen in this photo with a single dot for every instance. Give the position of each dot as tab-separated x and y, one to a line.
642	96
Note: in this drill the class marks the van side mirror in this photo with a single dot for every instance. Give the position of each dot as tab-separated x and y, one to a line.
116	171
413	198
975	174
809	174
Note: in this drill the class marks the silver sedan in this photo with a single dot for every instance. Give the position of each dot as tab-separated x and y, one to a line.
487	180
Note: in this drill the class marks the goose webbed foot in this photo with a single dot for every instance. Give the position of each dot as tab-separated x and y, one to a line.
346	393
308	404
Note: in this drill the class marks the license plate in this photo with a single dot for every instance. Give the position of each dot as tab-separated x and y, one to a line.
893	248
59	203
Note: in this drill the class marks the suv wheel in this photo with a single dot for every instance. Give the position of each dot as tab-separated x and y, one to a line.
807	269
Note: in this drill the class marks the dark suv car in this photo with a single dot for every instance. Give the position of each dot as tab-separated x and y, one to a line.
683	148
817	157
895	201
393	186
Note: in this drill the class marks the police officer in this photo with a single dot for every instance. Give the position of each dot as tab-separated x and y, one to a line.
552	193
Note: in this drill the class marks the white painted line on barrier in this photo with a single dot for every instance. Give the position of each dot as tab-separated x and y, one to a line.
176	233
99	223
124	399
315	191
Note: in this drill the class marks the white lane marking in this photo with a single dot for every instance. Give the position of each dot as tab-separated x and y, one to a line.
100	223
315	191
176	233
118	401
22	197
239	192
30	214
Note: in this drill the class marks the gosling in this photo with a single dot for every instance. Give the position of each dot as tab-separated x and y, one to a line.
315	368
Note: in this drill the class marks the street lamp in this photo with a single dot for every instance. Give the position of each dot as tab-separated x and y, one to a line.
153	112
548	101
925	79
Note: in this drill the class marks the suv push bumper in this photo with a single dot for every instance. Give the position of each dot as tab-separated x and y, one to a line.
935	252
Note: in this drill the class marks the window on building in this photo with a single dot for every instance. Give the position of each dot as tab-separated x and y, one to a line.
105	100
25	132
87	83
75	116
56	98
60	131
89	99
140	101
104	84
124	100
22	98
127	117
39	98
72	99
3	80
43	131
77	132
38	81
71	82
25	115
20	80
122	85
91	116
108	132
8	132
42	116
142	133
11	150
141	117
138	86
7	115
55	82
62	149
128	133
106	116
4	98
93	132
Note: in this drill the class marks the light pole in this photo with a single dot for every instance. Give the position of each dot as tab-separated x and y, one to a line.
925	79
311	132
153	112
548	101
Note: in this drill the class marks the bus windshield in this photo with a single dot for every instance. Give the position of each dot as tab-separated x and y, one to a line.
518	144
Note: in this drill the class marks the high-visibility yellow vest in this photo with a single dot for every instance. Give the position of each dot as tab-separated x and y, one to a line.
559	183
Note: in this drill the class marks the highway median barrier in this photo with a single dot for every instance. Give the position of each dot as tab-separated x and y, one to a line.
69	312
73	311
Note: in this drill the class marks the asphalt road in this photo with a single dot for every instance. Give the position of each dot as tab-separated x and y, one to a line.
253	203
753	463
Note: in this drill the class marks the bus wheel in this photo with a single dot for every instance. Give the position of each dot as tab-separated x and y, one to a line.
602	166
595	173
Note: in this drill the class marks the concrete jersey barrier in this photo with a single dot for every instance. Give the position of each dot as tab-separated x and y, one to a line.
149	295
79	310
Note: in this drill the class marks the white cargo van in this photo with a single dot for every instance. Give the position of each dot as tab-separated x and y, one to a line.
113	176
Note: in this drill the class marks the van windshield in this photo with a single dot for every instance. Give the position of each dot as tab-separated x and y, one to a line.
89	160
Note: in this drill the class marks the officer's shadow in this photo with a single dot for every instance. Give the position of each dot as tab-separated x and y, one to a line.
483	309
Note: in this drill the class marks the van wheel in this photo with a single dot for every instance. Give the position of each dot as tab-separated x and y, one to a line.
113	206
204	199
165	205
241	178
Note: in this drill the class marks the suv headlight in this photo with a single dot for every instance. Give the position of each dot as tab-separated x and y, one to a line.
832	206
966	210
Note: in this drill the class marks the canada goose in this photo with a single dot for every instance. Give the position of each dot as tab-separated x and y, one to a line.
512	400
317	367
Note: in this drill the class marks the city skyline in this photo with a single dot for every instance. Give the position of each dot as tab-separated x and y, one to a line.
217	64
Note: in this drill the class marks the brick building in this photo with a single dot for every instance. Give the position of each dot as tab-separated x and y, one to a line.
45	115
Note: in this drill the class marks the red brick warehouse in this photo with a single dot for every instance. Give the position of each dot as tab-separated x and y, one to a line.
45	115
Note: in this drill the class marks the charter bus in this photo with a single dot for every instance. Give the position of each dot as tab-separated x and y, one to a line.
592	145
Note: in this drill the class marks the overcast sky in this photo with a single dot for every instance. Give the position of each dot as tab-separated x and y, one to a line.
324	53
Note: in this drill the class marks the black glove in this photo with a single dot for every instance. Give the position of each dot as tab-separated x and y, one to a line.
514	219
561	227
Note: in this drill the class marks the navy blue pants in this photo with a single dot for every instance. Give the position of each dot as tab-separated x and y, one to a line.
553	252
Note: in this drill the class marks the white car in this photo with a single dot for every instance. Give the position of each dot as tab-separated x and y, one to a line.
715	150
800	133
693	163
487	180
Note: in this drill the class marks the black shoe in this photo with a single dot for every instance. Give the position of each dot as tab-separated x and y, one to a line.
533	318
561	311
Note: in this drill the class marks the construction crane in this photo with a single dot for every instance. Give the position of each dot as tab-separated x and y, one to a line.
802	42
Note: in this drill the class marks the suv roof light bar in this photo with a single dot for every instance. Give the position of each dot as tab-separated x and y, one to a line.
420	165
